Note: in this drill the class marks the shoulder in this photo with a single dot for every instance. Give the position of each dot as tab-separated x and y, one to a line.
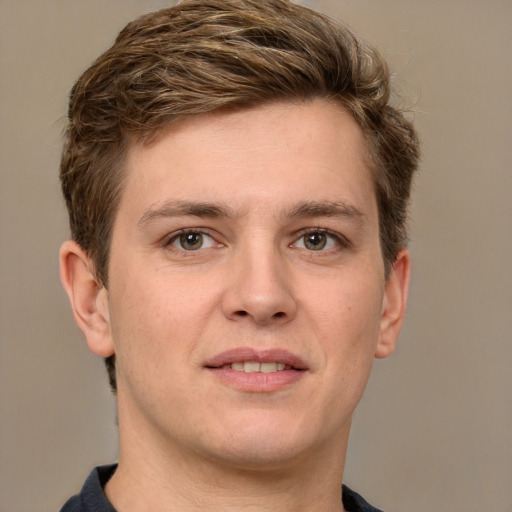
92	498
354	502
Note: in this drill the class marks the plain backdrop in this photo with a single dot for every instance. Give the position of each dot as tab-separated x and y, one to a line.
434	429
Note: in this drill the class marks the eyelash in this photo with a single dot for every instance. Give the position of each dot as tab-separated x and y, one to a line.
340	240
168	241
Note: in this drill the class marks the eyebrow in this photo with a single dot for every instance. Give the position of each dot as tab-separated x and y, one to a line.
305	209
185	208
326	209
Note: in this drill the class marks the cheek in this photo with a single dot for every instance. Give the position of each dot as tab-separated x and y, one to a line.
141	321
350	308
348	325
156	318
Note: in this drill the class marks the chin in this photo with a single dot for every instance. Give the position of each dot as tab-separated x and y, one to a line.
264	456
261	445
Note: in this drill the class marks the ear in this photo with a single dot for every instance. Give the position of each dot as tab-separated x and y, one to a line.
89	298
394	305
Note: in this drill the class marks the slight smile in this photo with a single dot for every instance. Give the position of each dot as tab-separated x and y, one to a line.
257	371
254	367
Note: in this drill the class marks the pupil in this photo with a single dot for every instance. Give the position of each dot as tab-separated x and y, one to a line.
315	241
191	241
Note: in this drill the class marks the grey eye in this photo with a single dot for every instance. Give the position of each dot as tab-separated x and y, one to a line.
315	241
319	240
192	241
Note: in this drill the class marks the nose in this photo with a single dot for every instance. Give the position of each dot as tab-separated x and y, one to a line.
259	289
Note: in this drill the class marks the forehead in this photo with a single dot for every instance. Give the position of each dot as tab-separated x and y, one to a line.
269	157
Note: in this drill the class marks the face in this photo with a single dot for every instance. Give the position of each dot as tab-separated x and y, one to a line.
247	296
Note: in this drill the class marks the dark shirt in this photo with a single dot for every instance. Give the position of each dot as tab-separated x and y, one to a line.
93	499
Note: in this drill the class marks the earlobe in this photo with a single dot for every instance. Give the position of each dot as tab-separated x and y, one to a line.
394	305
88	297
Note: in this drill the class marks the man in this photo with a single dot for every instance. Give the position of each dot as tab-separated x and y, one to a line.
237	185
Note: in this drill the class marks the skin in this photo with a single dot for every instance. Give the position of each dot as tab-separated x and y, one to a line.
259	186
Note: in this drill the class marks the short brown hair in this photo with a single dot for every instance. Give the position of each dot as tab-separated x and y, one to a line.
205	55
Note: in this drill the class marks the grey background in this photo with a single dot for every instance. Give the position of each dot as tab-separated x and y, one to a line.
434	430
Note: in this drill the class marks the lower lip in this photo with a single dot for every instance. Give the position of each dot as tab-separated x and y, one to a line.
257	382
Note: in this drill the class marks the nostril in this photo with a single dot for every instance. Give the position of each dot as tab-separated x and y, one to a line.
279	314
242	313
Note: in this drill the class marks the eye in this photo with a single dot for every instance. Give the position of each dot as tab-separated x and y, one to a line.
318	241
191	241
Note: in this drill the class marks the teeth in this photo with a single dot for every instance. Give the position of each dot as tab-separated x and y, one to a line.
268	367
253	367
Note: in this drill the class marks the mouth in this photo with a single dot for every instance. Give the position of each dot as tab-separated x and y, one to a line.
249	360
257	370
255	367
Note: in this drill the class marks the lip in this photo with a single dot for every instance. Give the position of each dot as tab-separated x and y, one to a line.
257	382
242	354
